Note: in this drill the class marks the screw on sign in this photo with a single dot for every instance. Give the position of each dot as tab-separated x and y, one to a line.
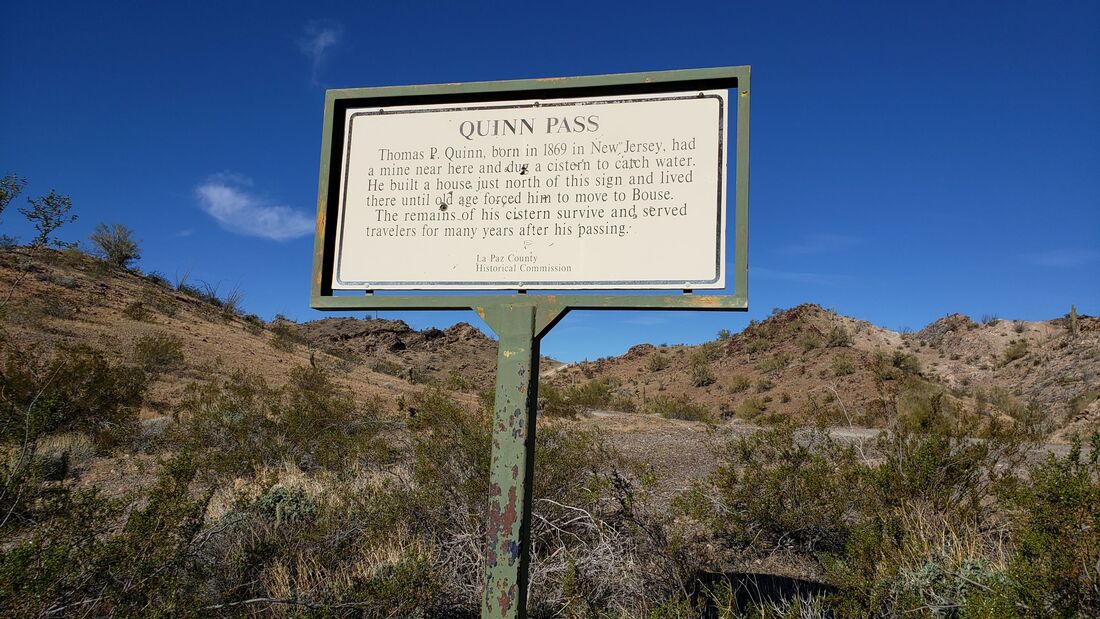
412	197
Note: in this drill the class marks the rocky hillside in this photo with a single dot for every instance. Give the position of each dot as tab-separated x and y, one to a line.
810	363
185	331
460	357
806	363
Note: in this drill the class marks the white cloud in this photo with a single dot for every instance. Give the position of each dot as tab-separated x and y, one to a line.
225	198
319	37
1062	257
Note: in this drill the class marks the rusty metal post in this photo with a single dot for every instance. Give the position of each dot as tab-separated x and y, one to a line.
511	471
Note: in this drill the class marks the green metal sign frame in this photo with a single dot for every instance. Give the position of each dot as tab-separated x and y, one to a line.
520	320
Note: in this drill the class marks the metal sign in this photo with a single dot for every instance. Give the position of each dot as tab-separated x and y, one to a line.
538	193
346	259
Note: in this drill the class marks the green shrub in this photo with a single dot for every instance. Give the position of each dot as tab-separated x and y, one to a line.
286	493
242	424
284	337
842	365
739	383
808	342
1017	349
677	408
701	374
35	312
71	450
574	471
456	381
593	394
657	362
282	504
65	281
1056	525
710	351
838	338
776	363
750	408
775	491
758	344
78	558
384	366
137	311
555	402
77	391
914	521
418	375
159	352
882	367
157	279
907	363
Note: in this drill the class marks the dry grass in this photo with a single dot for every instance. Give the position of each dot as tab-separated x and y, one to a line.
930	534
80	447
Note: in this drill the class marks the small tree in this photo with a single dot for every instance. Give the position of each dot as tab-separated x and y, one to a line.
48	213
115	244
10	187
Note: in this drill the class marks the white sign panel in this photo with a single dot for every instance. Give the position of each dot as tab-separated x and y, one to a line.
595	193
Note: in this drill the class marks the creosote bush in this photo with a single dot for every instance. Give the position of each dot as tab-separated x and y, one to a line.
75	391
159	352
590	395
776	363
838	337
677	408
242	424
1017	349
138	311
808	342
842	365
922	518
657	362
284	337
739	383
701	374
750	408
813	482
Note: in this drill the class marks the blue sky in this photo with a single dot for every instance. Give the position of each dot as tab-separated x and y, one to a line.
908	160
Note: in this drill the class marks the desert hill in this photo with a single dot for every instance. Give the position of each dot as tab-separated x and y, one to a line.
806	363
186	331
810	363
460	357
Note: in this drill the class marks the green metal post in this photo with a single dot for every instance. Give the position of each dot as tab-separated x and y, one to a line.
512	468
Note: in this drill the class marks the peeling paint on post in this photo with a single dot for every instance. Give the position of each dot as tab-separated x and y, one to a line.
512	466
